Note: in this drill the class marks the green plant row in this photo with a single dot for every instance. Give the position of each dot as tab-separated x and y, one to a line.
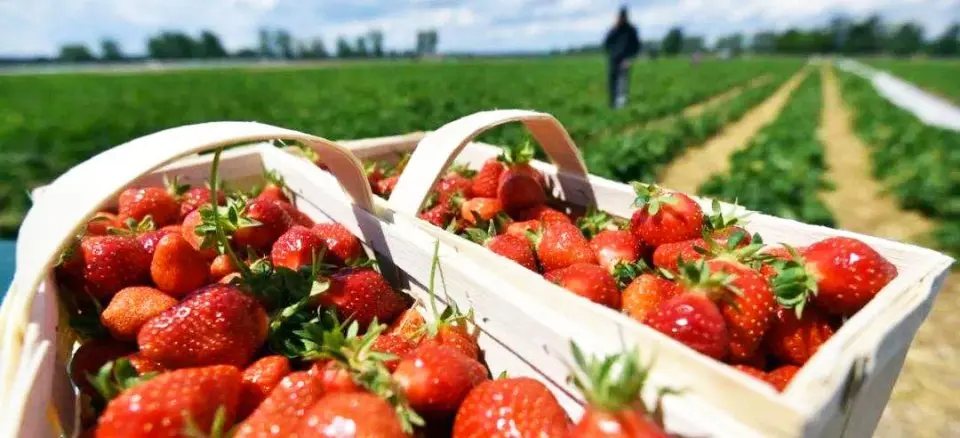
782	169
919	164
642	154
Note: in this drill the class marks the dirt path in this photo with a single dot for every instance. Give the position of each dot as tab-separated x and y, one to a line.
698	108
924	402
697	164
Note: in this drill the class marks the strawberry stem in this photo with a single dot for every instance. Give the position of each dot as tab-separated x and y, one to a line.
214	207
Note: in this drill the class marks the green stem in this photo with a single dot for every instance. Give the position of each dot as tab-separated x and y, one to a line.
221	235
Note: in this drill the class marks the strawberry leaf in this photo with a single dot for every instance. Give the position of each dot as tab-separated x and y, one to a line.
174	187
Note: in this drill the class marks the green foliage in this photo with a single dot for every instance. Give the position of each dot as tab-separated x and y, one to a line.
781	170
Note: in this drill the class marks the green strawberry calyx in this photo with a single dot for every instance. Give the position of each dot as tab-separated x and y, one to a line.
132	227
517	154
116	376
651	197
794	284
697	277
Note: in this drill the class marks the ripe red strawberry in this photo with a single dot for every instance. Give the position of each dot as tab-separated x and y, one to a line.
542	213
396	345
162	406
453	185
157	202
525	404
150	239
273	190
615	246
623	424
436	379
479	209
342	245
297	247
794	341
408	325
520	186
487	180
782	376
385	186
439	215
456	336
258	380
280	414
589	281
644	294
362	294
111	263
144	365
195	197
92	355
221	267
334	377
848	272
507	245
747	312
188	229
520	229
298	217
666	256
375	172
355	414
560	244
273	220
218	324
131	308
694	320
177	268
101	223
751	371
664	217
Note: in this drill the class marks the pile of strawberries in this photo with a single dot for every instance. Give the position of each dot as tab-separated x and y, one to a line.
701	279
235	315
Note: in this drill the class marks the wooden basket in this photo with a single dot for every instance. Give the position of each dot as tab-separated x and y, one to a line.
36	345
842	390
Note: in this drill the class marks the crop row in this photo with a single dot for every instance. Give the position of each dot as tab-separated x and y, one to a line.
918	163
782	169
642	154
939	77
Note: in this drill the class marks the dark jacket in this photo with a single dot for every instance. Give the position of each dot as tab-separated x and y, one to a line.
622	42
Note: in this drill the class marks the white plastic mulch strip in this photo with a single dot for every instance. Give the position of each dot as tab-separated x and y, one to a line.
930	109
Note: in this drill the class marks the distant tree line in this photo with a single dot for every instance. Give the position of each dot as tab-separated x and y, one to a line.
272	44
870	36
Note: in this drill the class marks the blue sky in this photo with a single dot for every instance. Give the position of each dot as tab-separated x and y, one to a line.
39	26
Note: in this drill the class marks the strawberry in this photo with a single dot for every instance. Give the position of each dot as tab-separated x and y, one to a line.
839	274
408	325
385	186
355	414
396	345
487	180
281	412
751	371
297	247
542	213
218	324
92	355
149	240
747	311
143	365
794	340
453	333
439	215
612	387
196	197
644	294
156	202
560	244
777	256
221	267
163	406
520	186
177	268
375	172
694	320
521	229
436	379
512	247
258	380
101	223
453	185
342	245
613	247
275	189
480	209
298	217
334	377
589	281
362	294
273	220
668	255
111	263
525	404
131	308
782	376
188	229
664	217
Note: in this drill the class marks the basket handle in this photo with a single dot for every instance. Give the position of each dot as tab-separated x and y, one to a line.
75	195
437	150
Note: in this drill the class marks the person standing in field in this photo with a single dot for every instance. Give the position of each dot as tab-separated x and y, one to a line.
621	44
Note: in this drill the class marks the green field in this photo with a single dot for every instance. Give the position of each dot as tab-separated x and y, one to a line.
939	77
49	123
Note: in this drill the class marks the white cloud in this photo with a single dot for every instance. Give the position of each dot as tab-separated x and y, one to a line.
40	26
